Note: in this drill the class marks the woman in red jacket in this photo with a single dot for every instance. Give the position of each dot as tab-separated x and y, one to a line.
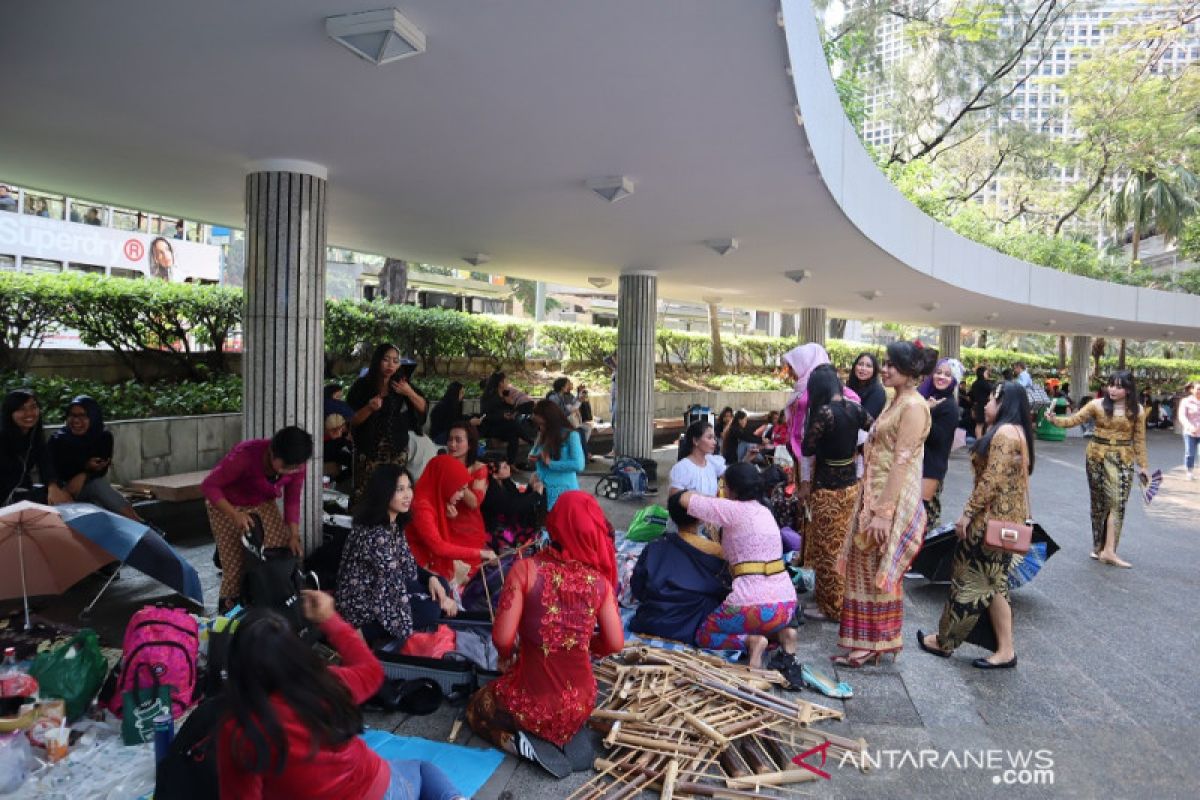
293	722
554	601
432	536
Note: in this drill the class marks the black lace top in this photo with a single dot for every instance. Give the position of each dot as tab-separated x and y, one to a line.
833	439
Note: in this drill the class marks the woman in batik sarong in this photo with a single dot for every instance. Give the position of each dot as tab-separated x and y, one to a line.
1003	461
889	521
1118	444
831	436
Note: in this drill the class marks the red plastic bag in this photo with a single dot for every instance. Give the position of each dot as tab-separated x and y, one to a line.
431	644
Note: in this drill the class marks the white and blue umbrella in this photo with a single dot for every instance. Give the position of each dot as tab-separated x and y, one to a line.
134	544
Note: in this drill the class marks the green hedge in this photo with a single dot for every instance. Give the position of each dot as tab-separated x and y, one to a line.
191	324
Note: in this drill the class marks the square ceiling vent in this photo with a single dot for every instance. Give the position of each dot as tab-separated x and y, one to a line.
377	36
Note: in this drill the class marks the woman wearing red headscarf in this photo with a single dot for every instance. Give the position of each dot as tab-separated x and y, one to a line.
553	601
435	542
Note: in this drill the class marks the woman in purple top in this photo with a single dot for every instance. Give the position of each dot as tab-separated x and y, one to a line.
763	600
248	481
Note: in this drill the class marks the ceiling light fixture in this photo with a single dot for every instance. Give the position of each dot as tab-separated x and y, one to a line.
1050	323
599	282
798	275
379	36
721	247
1109	328
611	188
992	316
934	306
478	259
871	294
1169	334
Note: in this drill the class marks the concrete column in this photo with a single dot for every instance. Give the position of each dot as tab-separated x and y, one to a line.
787	326
1081	365
637	307
812	326
283	338
950	341
539	301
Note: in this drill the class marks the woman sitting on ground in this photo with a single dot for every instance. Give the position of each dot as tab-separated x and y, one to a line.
587	420
293	722
679	580
512	516
24	457
466	523
699	468
446	411
82	451
558	451
249	481
380	589
436	502
555	601
763	600
1003	462
739	441
499	419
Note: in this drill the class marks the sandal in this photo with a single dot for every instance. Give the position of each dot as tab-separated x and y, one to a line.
854	662
933	651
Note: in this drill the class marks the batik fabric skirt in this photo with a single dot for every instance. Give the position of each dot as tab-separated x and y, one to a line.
1110	479
727	627
977	575
933	508
825	534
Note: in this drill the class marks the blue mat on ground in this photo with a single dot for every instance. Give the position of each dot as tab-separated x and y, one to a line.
468	767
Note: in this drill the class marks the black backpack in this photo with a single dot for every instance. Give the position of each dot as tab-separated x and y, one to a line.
189	770
271	578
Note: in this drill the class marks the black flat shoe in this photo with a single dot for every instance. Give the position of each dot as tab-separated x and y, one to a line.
921	644
983	663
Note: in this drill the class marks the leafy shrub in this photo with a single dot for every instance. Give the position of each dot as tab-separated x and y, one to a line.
132	399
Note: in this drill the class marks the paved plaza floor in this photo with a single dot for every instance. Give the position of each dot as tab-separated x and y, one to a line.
1107	683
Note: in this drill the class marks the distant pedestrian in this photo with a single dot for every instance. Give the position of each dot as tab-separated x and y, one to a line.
1189	421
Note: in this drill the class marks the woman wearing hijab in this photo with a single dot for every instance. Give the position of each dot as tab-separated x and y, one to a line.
801	361
554	600
941	391
24	458
82	452
431	537
864	381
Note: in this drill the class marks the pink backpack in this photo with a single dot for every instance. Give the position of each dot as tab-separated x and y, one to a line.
160	644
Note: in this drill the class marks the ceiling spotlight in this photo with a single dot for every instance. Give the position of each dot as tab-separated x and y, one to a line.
1051	323
797	275
1169	334
1109	328
934	306
871	294
721	247
992	316
478	259
378	36
611	188
599	282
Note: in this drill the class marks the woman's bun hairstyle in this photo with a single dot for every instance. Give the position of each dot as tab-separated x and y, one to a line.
912	358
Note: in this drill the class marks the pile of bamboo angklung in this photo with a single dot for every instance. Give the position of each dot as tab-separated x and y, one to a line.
691	725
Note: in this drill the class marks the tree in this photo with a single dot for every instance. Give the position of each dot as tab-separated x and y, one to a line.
1152	199
714	330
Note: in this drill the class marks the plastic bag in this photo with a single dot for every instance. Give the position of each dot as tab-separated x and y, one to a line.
15	759
649	523
73	672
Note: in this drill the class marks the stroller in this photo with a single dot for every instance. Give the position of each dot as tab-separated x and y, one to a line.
626	481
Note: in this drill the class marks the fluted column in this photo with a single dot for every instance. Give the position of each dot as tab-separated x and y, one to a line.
950	341
1081	355
637	312
812	326
283	339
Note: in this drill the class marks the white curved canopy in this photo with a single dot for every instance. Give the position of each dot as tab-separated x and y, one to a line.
484	142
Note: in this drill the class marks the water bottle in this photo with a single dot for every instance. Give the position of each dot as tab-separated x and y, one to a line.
164	734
